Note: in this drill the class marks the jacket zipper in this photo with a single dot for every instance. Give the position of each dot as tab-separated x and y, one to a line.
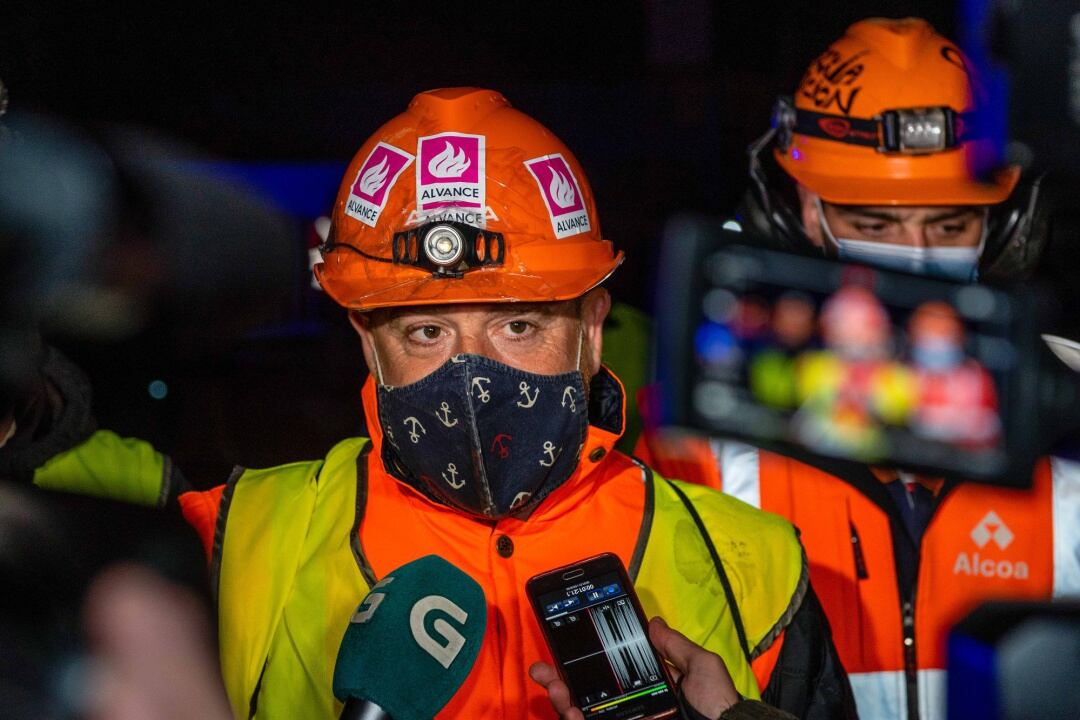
911	673
856	548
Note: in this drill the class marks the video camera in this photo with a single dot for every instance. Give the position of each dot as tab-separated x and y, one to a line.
827	361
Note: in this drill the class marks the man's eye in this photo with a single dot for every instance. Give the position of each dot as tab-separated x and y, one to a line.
871	228
518	327
954	228
426	333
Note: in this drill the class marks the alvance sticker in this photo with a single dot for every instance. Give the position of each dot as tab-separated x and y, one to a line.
562	194
377	175
450	171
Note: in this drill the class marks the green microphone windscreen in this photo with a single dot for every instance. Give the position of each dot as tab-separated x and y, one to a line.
413	639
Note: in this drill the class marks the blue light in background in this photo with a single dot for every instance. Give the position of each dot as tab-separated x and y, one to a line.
714	343
158	389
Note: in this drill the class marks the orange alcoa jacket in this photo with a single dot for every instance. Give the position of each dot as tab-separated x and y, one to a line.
982	543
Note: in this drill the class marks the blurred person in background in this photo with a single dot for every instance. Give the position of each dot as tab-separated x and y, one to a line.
868	163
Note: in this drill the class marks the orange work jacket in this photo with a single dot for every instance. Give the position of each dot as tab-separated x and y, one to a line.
982	543
605	506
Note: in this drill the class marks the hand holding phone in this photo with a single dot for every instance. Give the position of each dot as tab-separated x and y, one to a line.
606	666
706	684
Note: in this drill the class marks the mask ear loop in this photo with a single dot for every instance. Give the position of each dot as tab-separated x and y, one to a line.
985	233
825	224
378	367
580	346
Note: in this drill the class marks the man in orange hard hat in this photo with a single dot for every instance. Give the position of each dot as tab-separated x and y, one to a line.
466	246
869	163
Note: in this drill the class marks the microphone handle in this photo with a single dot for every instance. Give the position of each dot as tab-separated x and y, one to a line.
357	709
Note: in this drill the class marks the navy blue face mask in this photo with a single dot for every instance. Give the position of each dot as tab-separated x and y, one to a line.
484	437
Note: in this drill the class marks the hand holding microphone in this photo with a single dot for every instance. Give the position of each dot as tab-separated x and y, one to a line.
411	643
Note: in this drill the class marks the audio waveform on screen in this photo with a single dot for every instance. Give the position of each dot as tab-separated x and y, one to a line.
625	644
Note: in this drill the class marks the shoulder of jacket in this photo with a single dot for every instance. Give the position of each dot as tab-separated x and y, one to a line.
344	452
761	553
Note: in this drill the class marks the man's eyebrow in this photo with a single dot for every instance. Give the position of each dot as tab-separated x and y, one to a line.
527	308
394	314
952	214
867	213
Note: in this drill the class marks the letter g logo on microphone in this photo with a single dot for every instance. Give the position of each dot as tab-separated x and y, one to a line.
444	652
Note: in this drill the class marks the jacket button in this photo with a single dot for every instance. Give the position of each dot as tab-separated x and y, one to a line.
505	546
596	454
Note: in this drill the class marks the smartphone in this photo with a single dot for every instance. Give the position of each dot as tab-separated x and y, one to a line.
596	631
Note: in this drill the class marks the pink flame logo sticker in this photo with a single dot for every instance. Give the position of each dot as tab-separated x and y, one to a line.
561	193
560	190
450	171
448	163
376	176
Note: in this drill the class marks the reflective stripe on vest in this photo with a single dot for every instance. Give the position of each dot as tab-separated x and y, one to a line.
739	470
881	695
290	578
1066	474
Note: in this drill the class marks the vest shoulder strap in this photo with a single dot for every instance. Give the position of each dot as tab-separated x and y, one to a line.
264	522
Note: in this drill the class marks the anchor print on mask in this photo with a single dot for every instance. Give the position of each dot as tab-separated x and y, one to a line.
519	500
444	415
501	445
479	383
460	433
529	400
452	481
568	395
551	452
413	424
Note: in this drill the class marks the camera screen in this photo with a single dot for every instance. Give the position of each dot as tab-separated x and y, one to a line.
850	362
599	642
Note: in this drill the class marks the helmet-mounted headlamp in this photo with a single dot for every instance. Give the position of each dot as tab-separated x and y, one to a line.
444	248
906	131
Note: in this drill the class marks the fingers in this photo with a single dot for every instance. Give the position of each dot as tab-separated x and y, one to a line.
706	683
672	644
558	693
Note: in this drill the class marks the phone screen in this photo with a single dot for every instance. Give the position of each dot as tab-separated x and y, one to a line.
598	639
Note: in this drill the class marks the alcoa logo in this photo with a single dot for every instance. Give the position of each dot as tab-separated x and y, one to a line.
993	528
990	529
444	652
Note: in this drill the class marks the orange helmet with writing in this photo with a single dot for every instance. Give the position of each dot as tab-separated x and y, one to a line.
460	199
884	117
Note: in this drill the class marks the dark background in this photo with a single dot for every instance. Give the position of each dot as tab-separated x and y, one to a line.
657	99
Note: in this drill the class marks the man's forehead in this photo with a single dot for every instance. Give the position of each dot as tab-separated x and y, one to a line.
558	307
911	212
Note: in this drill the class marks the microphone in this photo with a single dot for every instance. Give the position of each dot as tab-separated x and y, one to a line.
411	643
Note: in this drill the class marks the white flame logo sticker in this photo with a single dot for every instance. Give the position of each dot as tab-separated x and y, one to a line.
447	164
561	190
374	178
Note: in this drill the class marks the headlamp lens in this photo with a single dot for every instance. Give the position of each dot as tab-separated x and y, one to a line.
444	245
922	130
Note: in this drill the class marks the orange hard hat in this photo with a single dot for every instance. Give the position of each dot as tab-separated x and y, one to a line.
460	199
884	117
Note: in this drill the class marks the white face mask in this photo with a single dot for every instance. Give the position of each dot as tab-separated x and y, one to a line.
959	264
